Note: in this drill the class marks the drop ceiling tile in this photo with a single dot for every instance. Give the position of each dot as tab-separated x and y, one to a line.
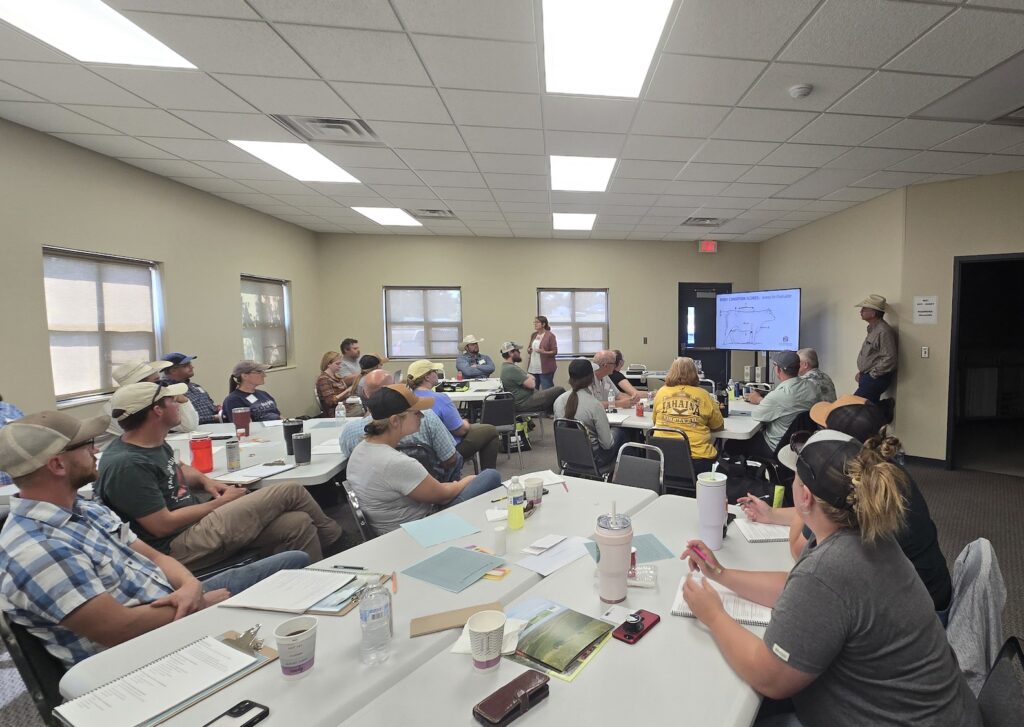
68	84
638	186
476	209
635	169
775	175
803	155
691	188
10	93
1018	149
866	157
933	178
140	122
219	45
736	28
18	46
369	56
1008	4
517	181
465	195
403	190
762	124
660	148
512	163
701	80
501	19
798	215
781	205
293	96
170	167
856	194
985	139
863	33
399	134
453	179
666	119
369	14
373	177
919	134
394	103
983	98
740	189
967	43
574	143
895	94
827	205
251	170
781	225
889	180
176	89
218	8
356	156
486	65
449	161
249	127
934	161
575	113
734	152
622	209
993	164
761	216
724	213
701	172
415	203
503	141
246	198
823	181
520	195
516	217
215	186
487	108
684	201
842	129
623	199
830	83
603	219
116	146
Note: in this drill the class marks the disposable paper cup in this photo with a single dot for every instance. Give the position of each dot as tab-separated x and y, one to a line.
711	507
296	645
486	633
534	489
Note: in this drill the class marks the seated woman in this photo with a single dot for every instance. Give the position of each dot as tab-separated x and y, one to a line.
619	379
579	404
853	638
331	390
682	404
242	392
392	487
469	438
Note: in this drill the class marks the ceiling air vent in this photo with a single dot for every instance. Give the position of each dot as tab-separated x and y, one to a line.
703	222
1014	118
327	130
433	214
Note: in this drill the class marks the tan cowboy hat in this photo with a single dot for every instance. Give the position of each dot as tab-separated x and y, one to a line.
874	302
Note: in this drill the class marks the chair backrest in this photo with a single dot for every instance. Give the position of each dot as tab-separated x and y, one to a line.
802	423
499	409
645	469
573	449
975	628
678	457
398	377
1001	699
40	670
707	384
362	522
654	383
320	403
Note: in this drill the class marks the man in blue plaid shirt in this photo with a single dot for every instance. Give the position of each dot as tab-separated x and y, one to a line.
71	572
181	371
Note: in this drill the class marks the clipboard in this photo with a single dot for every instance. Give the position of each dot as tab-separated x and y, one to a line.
350	602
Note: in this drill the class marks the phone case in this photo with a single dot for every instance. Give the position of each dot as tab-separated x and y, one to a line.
512	700
650	620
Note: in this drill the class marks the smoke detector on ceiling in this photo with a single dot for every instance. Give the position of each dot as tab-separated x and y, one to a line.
801	90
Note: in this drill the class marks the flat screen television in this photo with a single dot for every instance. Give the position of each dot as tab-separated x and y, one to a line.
758	320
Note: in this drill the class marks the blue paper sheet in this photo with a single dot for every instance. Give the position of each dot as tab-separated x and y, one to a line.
454	569
648	548
439	528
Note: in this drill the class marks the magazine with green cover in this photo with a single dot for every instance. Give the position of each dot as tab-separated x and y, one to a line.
556	636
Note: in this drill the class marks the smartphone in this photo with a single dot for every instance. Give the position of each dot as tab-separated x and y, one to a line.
243	714
638	624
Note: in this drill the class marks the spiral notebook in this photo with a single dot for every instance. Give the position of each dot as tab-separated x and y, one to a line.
762	532
161	689
742	610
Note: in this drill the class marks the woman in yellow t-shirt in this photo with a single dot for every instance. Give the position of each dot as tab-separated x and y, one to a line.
682	404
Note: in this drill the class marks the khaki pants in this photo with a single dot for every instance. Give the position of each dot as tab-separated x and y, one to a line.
273	519
482	438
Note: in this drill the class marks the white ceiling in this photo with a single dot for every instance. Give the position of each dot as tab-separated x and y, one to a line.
454	88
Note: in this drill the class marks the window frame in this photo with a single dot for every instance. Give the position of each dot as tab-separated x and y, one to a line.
156	302
426	324
605	343
286	292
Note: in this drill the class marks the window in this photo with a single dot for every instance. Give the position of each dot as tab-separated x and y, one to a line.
266	321
101	312
578	318
422	322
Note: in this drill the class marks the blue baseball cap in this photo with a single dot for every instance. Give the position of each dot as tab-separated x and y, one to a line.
179	359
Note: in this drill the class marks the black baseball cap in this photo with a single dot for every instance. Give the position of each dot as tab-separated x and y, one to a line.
580	368
396	399
179	359
822	467
788	361
853	415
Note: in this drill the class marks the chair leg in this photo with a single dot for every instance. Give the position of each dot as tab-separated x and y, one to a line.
519	451
476	463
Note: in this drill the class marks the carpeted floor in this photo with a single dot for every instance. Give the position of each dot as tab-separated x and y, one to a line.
965	505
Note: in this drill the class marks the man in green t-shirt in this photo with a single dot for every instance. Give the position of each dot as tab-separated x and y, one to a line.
522	385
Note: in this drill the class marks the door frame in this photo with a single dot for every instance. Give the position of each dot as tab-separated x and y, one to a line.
680	334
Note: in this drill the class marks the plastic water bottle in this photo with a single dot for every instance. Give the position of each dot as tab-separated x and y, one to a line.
375	619
611	400
516	504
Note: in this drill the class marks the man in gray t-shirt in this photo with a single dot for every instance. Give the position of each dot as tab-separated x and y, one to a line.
349	361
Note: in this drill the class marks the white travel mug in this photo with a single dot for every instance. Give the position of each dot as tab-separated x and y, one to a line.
712	507
614	537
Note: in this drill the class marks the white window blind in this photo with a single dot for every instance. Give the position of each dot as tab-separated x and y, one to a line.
265	320
422	322
101	312
578	317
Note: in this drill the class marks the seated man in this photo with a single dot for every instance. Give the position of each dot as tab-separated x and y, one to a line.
432	434
71	572
604	366
523	386
134	372
141	480
809	370
181	371
777	409
471	363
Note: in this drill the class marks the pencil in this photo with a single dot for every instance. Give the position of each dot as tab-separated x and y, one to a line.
714	568
394	582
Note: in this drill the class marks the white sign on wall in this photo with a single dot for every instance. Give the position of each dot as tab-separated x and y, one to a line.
926	309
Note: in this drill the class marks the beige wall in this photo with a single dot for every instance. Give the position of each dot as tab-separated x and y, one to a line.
499	296
54	193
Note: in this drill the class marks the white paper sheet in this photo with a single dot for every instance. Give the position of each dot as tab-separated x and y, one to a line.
291	591
552	559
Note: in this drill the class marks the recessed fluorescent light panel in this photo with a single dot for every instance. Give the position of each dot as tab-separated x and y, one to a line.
90	31
573	221
298	160
390	216
601	47
581	174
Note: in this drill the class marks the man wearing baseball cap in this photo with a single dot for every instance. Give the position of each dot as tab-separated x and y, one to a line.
777	409
471	363
141	480
876	362
523	386
71	572
181	371
133	372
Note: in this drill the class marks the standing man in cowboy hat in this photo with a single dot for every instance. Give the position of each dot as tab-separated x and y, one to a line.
471	363
876	363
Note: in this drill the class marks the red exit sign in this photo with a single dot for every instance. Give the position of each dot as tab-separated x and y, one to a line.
707	246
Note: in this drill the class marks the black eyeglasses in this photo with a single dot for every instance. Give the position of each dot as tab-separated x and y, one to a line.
73	447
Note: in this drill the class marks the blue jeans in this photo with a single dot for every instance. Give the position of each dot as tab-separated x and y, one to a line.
545	381
484	482
871	388
238	579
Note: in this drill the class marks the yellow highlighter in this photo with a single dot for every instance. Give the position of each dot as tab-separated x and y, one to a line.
780	494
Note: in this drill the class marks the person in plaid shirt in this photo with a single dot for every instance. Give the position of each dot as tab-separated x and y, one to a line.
181	371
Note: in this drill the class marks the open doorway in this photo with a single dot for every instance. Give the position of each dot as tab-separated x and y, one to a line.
697	321
986	413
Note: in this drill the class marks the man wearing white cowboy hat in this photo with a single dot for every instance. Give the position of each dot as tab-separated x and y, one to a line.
471	363
876	363
135	372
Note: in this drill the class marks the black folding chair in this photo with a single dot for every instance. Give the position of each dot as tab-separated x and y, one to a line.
1001	699
362	522
499	410
679	475
646	469
574	451
40	670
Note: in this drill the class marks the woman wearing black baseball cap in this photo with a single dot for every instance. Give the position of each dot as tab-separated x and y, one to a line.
853	638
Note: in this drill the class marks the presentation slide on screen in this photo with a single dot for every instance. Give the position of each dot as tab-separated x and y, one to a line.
766	320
